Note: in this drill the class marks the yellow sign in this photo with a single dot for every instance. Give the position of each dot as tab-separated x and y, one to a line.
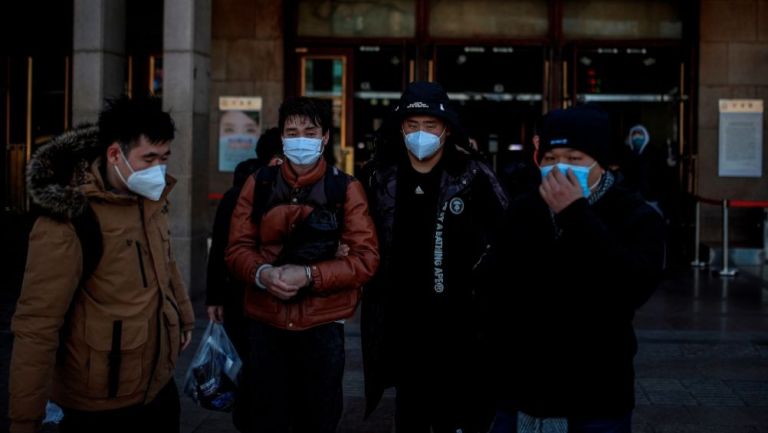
741	105
239	103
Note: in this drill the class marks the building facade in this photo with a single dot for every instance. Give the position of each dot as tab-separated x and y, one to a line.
664	64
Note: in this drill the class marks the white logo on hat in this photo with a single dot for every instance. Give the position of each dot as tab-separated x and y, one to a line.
559	141
442	108
457	206
417	105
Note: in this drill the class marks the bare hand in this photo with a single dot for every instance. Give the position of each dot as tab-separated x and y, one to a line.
186	338
342	251
272	279
559	189
294	275
216	313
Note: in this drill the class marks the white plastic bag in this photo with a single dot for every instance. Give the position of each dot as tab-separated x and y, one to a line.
212	376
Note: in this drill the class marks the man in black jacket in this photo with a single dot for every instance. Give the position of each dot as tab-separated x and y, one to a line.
438	213
592	252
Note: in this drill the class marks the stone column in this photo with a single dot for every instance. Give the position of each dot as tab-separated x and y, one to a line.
98	66
186	60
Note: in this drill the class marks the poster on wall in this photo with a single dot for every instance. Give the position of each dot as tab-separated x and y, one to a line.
239	129
740	144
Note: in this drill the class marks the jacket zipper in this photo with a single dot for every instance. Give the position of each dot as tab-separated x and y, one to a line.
482	256
159	309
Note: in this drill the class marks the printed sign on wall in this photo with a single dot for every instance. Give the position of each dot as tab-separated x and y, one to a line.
239	130
740	148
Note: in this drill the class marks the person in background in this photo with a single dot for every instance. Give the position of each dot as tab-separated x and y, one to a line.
592	252
224	293
102	342
438	211
287	227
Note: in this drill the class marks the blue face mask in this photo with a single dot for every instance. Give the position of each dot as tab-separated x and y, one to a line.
241	140
422	144
581	173
302	150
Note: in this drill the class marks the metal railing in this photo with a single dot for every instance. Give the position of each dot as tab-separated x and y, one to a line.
726	204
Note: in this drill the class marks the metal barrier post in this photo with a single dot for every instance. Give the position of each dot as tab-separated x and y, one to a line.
696	263
725	271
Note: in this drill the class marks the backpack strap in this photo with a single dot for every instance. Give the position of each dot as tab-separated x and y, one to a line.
335	185
262	193
88	231
91	242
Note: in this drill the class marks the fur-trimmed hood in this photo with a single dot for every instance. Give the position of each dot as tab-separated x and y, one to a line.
64	174
59	168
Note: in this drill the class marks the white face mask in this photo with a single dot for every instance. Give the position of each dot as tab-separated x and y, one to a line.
423	144
148	183
302	150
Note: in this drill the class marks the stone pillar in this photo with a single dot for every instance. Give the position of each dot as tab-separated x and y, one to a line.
186	60
98	66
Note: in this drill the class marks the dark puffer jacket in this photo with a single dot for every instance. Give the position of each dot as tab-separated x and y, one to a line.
565	336
468	216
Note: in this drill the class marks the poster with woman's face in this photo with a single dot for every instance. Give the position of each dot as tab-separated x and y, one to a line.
239	130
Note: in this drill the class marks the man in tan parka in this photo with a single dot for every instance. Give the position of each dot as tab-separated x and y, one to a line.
102	344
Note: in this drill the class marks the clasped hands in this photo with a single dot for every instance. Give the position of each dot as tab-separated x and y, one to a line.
284	281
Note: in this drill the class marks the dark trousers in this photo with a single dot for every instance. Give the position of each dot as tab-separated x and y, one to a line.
295	379
440	406
160	415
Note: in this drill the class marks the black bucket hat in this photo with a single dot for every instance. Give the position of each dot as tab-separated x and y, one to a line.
426	98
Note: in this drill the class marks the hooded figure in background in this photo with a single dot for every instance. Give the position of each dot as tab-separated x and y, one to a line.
591	252
438	213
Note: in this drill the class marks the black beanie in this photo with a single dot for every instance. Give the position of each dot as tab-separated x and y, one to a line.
585	128
426	98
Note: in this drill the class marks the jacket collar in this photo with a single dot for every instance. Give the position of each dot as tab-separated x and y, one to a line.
309	178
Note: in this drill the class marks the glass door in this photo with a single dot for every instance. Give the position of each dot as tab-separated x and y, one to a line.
499	92
325	76
381	73
639	86
645	93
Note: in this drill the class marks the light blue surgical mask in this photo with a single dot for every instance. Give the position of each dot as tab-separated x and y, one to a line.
581	172
423	144
247	140
302	150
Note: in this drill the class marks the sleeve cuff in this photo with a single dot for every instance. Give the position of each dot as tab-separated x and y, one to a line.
257	279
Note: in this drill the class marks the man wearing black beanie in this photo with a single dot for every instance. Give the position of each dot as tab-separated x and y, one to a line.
592	252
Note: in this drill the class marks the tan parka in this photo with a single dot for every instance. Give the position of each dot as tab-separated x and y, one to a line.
133	306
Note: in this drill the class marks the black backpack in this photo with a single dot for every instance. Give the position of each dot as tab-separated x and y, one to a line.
317	237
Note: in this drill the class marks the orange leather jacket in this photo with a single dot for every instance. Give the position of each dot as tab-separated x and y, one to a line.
337	283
